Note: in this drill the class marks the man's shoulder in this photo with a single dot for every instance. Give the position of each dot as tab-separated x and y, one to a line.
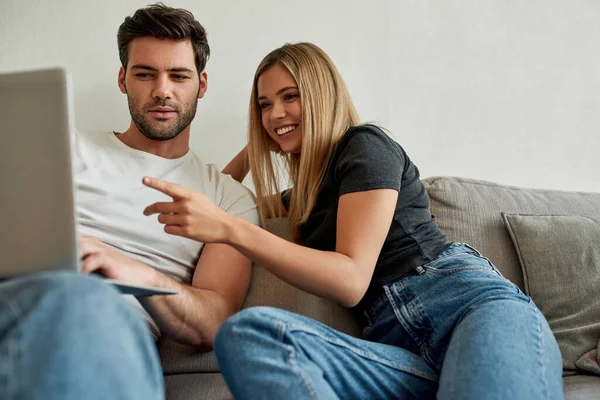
93	139
93	136
210	173
223	190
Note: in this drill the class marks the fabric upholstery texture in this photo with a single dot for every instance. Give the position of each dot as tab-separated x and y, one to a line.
196	386
470	211
560	261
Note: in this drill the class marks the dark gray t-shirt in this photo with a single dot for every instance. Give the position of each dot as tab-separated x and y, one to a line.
366	159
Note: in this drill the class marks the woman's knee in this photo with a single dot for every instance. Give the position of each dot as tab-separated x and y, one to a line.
255	318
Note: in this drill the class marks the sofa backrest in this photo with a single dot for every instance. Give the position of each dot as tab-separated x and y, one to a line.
469	211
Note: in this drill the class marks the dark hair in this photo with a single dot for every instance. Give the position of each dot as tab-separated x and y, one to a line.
163	22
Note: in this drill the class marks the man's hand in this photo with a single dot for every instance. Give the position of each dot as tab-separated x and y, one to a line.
100	258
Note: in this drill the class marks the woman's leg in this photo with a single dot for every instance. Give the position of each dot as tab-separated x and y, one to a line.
487	338
266	353
506	345
66	335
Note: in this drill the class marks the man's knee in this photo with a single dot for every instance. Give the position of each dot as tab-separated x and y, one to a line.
66	288
69	296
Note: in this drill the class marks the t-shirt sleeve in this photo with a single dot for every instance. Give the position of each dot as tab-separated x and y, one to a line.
238	200
368	159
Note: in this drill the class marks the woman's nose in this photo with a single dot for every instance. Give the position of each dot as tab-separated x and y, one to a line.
278	111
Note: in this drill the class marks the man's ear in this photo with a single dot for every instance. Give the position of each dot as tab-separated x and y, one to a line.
121	81
203	84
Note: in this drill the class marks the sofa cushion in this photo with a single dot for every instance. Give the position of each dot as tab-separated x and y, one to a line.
469	210
177	358
581	387
196	386
560	260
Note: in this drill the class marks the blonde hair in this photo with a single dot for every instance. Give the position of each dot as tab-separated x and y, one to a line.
327	112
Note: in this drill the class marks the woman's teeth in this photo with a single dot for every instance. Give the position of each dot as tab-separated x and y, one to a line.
283	131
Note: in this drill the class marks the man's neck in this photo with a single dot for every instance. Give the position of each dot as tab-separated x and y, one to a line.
171	148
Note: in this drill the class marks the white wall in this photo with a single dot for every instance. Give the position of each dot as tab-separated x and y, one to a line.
502	90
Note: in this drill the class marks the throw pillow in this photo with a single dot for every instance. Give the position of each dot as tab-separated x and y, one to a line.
560	261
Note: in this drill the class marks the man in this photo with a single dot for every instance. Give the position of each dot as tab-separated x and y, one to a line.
81	338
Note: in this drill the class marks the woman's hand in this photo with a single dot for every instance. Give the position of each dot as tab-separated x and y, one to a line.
238	167
191	214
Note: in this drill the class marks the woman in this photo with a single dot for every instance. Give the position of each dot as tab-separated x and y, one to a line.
439	318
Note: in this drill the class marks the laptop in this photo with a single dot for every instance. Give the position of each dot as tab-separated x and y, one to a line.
38	224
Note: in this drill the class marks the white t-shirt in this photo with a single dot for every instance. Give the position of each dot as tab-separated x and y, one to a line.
110	199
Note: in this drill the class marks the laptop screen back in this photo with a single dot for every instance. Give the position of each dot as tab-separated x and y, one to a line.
37	227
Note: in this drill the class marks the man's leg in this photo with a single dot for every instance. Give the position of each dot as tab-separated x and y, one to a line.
266	353
65	335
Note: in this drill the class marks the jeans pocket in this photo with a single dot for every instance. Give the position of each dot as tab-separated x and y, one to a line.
467	259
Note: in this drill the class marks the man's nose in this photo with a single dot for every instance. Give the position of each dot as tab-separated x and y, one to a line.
162	88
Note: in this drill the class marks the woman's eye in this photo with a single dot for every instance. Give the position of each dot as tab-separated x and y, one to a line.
290	96
264	106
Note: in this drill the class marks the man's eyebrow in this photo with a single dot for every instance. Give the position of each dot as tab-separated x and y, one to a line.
149	68
181	69
279	91
142	66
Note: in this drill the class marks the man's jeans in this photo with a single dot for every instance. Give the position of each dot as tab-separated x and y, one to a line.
67	336
455	329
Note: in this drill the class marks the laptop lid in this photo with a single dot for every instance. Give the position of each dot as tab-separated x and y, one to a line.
37	228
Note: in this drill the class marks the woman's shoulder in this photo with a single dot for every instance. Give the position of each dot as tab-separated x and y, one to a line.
364	129
368	137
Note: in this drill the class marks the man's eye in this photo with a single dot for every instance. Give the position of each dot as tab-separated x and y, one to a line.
180	77
143	75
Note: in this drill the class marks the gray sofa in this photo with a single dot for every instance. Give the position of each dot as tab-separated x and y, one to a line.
466	210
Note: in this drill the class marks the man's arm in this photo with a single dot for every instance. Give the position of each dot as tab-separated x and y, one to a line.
194	315
219	287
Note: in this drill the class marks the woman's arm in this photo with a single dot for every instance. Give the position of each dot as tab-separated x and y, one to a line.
363	221
343	275
238	167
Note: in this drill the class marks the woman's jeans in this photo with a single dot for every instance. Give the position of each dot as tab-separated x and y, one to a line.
454	328
65	335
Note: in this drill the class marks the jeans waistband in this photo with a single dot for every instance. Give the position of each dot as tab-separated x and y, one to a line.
459	248
453	248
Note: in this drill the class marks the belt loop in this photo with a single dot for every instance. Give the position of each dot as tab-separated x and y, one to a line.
420	270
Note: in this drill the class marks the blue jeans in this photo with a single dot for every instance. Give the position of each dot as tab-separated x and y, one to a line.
65	335
455	329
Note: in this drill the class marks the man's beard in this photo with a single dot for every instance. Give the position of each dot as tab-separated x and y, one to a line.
151	130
